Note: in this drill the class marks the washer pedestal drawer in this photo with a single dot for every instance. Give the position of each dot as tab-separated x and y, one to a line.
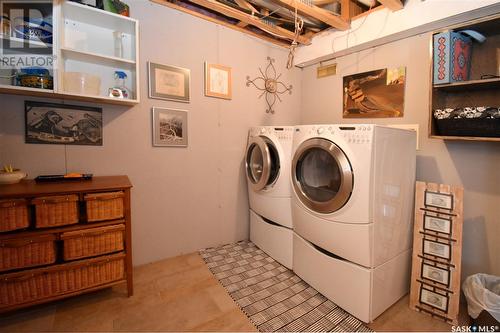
275	240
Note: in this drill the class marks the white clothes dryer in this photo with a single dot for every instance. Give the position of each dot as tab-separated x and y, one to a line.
353	203
268	159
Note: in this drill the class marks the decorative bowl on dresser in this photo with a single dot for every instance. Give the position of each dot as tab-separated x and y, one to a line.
63	239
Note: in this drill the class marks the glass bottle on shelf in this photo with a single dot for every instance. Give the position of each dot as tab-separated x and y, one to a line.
119	90
118	40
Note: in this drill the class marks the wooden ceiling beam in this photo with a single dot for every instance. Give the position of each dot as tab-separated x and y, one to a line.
324	2
223	23
251	20
392	4
247	5
317	13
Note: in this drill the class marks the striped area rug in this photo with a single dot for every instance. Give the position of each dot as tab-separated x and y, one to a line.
272	296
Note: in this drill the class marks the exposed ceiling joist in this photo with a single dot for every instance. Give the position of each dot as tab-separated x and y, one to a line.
392	4
217	21
275	21
251	20
315	12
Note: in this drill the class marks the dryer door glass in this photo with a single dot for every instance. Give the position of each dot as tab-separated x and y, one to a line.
322	175
319	175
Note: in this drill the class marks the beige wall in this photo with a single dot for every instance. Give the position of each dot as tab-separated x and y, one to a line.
471	164
183	199
188	198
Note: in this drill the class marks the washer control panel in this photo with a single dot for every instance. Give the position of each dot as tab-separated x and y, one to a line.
281	133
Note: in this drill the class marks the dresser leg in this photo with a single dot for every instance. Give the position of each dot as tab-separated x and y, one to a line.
130	286
128	242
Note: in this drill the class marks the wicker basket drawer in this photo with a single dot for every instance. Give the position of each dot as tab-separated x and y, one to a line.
55	211
92	242
43	283
13	214
104	206
27	252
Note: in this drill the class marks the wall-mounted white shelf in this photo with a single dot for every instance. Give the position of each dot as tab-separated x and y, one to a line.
85	40
85	56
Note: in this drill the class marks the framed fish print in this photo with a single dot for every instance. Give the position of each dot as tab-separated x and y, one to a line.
438	224
436	274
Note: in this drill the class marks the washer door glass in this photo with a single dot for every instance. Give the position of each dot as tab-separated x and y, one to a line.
262	163
275	163
255	163
322	175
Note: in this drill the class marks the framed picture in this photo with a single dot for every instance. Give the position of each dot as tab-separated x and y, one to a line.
437	249
434	299
436	274
62	124
218	81
168	82
375	94
438	224
169	127
438	200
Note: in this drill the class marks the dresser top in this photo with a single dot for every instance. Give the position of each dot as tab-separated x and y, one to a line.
28	188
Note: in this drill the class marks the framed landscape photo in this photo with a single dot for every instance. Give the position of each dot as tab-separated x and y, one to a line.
169	127
168	82
218	81
52	123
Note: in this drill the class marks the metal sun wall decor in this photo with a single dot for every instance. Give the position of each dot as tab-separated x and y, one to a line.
272	88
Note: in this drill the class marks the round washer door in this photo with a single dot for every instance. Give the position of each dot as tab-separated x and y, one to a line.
322	175
262	163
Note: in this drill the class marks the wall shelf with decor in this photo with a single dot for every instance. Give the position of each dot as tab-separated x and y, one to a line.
89	45
468	109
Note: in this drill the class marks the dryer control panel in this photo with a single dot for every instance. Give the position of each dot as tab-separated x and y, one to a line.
357	134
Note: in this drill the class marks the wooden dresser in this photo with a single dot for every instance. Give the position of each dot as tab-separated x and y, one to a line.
63	239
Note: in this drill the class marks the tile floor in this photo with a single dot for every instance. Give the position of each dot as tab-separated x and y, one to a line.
176	294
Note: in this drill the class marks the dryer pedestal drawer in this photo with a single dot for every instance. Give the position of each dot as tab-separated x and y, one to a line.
353	242
275	240
365	293
346	284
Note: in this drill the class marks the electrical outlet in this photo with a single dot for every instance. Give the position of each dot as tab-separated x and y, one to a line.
414	127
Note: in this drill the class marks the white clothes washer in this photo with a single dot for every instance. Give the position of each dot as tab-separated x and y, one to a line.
268	159
353	203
